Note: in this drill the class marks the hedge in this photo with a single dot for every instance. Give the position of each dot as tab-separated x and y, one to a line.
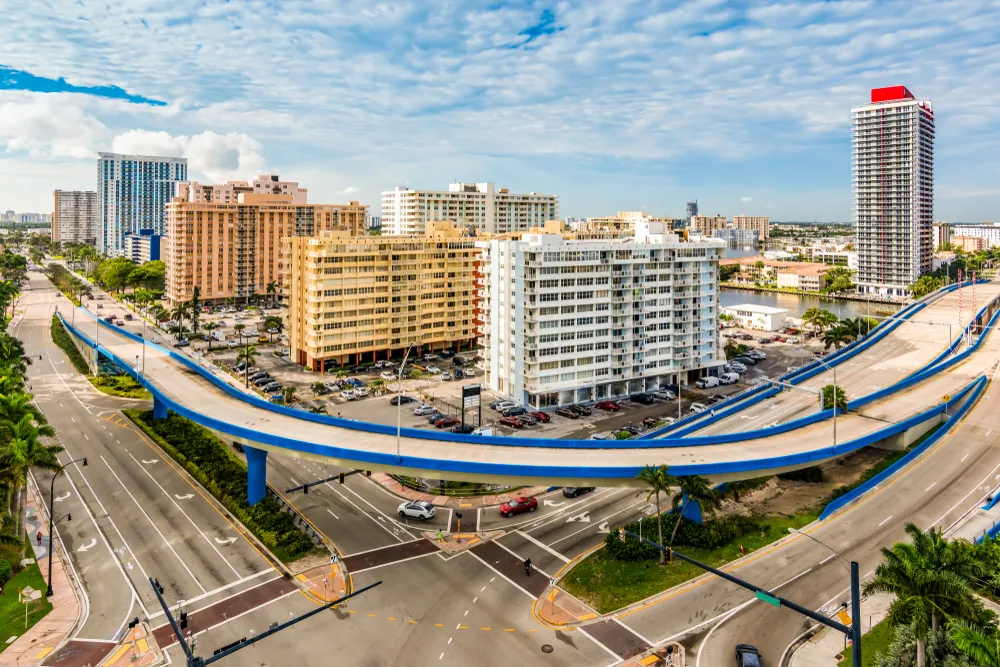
211	462
61	338
709	535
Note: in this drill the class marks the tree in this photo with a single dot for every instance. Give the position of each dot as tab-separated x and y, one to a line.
25	450
288	394
209	327
195	305
238	328
272	291
829	392
818	318
837	336
734	349
179	313
272	322
981	645
114	273
249	355
657	480
696	489
924	286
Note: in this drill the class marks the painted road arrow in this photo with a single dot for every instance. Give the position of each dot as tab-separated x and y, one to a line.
603	528
228	540
63	497
91	545
549	503
152	461
583	516
187	497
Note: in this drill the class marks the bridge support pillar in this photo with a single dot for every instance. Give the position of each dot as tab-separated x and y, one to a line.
692	511
159	408
256	474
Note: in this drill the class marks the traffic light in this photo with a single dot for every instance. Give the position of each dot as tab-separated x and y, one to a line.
134	622
158	585
69	516
341	478
184	620
368	473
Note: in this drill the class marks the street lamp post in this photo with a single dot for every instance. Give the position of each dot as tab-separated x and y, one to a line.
836	391
399	398
52	513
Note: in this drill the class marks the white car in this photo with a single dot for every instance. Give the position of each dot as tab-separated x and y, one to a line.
433	369
232	344
665	394
424	410
418	509
348	394
361	392
697	407
387	376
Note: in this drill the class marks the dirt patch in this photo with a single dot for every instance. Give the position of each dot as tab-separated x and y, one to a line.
781	496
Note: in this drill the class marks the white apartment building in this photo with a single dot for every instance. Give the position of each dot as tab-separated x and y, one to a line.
74	216
478	206
132	192
565	320
942	234
893	183
990	232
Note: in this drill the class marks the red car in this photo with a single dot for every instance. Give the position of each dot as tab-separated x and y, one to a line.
518	506
650	422
513	422
541	416
609	406
447	422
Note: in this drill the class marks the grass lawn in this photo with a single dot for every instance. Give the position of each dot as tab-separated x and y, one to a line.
873	642
122	386
607	584
12	611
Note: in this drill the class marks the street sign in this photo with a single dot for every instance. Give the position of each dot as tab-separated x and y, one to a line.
845	618
471	396
771	600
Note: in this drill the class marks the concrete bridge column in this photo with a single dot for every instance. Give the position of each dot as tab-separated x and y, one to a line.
256	474
159	408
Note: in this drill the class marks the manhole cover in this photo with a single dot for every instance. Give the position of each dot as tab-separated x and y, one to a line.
547	648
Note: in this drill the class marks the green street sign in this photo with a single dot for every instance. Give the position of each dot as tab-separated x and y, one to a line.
773	601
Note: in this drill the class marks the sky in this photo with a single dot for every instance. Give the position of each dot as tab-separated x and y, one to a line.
610	104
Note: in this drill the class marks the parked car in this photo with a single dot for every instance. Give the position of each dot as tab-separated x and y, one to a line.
763	340
348	394
707	383
670	420
567	413
631	430
644	399
446	377
698	407
277	398
448	354
272	386
435	418
240	366
512	422
599	436
746	336
541	416
401	400
447	422
518	505
128	317
361	392
183	342
387	376
380	363
729	378
574	491
431	357
355	382
459	374
260	382
746	360
322	390
260	374
459	361
484	430
526	419
794	340
497	402
758	355
514	411
232	344
650	422
665	394
463	429
424	410
434	370
119	323
747	656
608	406
418	509
581	410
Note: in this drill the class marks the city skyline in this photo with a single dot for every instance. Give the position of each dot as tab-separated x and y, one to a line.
754	118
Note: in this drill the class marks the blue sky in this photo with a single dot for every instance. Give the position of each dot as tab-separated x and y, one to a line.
613	105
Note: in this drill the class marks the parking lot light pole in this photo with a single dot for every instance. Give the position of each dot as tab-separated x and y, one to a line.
399	398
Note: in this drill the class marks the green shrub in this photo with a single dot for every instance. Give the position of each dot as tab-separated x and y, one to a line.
211	462
810	475
4	572
62	338
708	535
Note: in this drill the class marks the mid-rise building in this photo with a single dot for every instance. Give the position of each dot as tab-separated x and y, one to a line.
361	298
755	316
144	246
373	224
622	224
942	234
989	232
74	216
707	225
228	192
565	320
234	250
475	207
778	273
738	238
969	243
132	191
845	258
893	182
759	223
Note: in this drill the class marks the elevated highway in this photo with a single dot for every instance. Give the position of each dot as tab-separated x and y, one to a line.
180	384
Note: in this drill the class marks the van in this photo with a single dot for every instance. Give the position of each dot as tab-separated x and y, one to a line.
485	430
707	383
729	378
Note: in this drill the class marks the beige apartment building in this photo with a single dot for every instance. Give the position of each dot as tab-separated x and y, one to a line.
622	224
234	250
706	225
759	223
362	298
228	192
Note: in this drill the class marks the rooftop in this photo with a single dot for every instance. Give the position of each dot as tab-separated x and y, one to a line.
755	308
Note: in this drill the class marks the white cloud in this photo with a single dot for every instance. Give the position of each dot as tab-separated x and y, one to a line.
44	126
218	157
746	200
350	190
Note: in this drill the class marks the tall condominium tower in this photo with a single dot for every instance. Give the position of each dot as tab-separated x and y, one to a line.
74	216
132	191
893	180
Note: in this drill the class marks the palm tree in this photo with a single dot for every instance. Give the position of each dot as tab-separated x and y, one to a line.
697	489
179	313
657	480
837	336
341	374
833	393
288	394
930	579
158	312
272	291
818	318
981	645
249	355
195	305
272	322
22	451
317	409
209	327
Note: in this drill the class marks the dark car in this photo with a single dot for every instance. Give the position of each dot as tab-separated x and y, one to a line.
459	374
567	413
259	374
518	505
273	386
322	390
746	336
746	360
459	361
574	491
463	428
631	430
447	354
645	399
401	400
581	410
526	419
260	382
183	342
609	406
541	416
747	656
436	418
650	422
763	340
447	422
514	411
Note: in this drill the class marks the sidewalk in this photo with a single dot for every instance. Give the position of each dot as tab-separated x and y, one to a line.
452	501
49	633
826	647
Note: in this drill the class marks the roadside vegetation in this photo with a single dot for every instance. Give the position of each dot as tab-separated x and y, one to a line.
62	338
121	386
13	619
224	475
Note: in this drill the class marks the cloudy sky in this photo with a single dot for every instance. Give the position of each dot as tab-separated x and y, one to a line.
611	104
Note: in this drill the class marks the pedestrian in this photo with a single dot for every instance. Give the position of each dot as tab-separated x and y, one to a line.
440	536
38	538
713	412
527	567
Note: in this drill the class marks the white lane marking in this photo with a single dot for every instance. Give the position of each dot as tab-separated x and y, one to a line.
542	545
89	545
219	553
377	523
466	613
155	527
482	589
375	567
965	457
885	520
442	655
977	487
459	625
292	480
381	513
559	515
449	640
602	522
649	643
509	580
334	515
234	584
827	559
72	420
86	437
618	658
930	487
988	433
493	579
475	599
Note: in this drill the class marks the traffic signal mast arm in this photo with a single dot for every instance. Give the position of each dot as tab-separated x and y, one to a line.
340	478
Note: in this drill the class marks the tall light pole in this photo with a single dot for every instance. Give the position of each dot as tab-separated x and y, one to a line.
843	561
836	391
399	398
52	513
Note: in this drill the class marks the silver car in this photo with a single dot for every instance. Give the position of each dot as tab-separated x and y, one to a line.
418	509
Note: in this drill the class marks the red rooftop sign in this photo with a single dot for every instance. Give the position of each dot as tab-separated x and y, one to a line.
891	94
